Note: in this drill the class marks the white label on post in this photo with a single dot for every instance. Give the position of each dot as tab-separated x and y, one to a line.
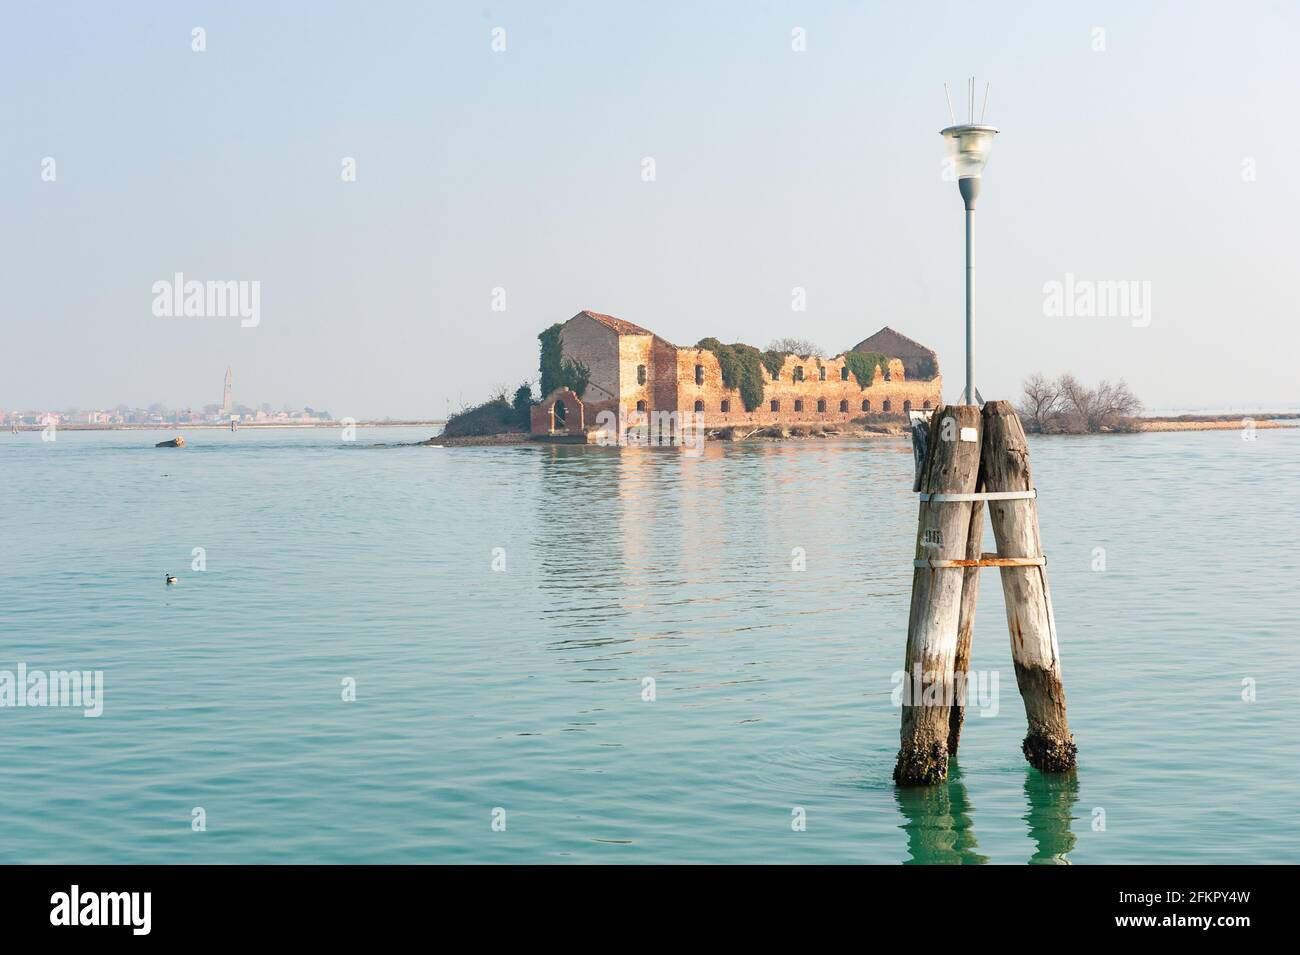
969	434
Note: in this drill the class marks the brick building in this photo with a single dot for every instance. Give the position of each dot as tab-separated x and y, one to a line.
632	369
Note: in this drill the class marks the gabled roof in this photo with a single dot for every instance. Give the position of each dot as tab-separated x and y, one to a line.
614	324
891	343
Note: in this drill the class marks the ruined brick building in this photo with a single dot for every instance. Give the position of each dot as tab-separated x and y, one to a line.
632	369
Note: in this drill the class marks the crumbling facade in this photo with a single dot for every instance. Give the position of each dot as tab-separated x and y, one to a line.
634	370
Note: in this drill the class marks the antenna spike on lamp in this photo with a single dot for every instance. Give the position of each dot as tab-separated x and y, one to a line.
969	146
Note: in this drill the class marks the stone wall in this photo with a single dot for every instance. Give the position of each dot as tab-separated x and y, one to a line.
638	370
597	347
798	399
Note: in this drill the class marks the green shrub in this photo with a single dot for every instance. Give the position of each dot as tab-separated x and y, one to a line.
492	417
523	405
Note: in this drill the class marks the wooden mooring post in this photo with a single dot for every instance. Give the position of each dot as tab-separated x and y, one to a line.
1004	467
967	459
951	466
970	590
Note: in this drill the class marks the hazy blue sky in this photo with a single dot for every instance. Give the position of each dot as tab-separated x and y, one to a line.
1169	158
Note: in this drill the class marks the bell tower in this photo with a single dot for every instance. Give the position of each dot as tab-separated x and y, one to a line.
227	402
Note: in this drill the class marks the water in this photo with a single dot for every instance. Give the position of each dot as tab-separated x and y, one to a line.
522	689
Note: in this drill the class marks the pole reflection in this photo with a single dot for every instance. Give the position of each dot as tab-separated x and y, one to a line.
1052	797
938	822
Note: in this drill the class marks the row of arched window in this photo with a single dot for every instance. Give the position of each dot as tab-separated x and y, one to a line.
798	374
886	406
821	373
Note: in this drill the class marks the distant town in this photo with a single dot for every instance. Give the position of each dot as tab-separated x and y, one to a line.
158	414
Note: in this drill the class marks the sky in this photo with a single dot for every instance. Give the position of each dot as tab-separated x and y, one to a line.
1150	143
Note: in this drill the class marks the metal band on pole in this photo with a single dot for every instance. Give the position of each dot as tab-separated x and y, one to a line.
986	560
982	495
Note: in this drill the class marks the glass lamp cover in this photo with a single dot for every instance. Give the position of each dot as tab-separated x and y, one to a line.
969	147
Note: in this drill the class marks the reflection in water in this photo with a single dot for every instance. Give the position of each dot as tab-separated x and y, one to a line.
1052	797
938	826
577	535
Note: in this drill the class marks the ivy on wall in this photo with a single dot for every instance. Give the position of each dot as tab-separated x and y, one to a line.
864	365
558	371
742	369
773	360
552	363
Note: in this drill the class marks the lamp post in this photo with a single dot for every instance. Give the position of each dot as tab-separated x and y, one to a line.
969	147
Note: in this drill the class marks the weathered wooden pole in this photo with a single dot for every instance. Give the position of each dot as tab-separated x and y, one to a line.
951	467
970	589
920	422
1004	466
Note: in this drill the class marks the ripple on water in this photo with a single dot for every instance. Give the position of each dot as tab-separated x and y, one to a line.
650	678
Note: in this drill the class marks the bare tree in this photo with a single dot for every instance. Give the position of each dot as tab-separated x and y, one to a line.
1077	401
1068	405
1040	404
796	346
1113	406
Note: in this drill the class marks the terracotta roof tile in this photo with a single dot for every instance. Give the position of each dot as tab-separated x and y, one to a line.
615	324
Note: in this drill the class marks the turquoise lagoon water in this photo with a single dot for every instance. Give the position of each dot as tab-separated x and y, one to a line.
522	688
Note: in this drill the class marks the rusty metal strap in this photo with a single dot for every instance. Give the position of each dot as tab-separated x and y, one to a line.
982	496
986	560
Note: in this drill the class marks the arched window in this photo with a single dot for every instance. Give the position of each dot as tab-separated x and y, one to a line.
821	404
926	406
907	407
888	405
776	405
560	411
821	372
640	374
844	373
699	376
640	406
726	407
866	404
844	406
699	405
